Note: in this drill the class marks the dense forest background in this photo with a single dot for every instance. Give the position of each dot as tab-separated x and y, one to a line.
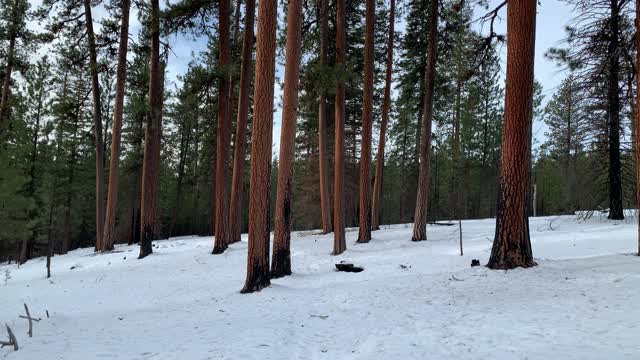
48	154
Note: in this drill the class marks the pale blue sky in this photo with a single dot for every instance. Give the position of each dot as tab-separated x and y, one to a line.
553	16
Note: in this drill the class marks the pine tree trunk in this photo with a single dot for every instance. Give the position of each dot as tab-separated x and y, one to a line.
637	118
511	246
613	112
281	261
25	253
386	104
151	162
66	238
364	234
455	187
97	125
4	95
339	243
260	183
223	129
239	150
420	218
185	138
325	201
114	165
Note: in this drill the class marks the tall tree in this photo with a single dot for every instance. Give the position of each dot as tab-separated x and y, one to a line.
420	218
281	262
114	166
223	129
511	245
616	211
97	123
637	113
260	183
339	242
364	234
325	202
13	15
386	105
239	149
151	162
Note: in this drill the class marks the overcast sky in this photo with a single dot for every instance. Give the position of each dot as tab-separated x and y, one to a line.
552	17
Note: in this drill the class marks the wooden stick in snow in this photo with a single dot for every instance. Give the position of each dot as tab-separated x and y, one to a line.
26	308
460	224
12	339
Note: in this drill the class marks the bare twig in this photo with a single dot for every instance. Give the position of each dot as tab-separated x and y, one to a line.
460	224
12	339
26	308
24	317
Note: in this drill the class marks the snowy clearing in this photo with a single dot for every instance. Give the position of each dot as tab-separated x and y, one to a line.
412	301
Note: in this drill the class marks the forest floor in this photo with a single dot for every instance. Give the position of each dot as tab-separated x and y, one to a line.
413	300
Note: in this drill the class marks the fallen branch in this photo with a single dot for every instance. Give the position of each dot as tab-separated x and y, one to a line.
12	339
26	308
24	317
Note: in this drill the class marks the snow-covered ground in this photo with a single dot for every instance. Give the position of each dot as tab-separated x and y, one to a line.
413	301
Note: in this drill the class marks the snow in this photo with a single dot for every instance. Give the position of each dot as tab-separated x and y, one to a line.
412	301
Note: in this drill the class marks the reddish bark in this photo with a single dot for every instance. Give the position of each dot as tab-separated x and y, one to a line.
223	129
239	150
339	243
281	261
511	245
364	234
97	125
420	217
114	166
151	162
325	202
386	104
260	183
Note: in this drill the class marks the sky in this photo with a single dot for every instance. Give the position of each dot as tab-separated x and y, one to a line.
552	17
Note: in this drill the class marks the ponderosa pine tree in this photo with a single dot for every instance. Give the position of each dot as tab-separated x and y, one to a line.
420	218
339	242
239	149
364	234
97	123
325	202
223	130
153	131
13	15
281	261
637	113
511	245
386	105
114	166
565	116
260	183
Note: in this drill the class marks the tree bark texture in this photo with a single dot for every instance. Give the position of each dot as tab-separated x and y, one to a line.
97	125
339	243
239	150
325	202
637	114
613	99
260	183
422	196
386	104
364	234
281	261
223	130
116	132
6	84
511	245
151	162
